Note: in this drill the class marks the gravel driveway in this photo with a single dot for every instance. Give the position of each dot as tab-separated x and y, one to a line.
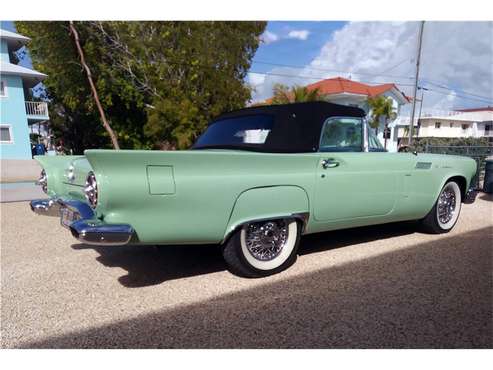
385	286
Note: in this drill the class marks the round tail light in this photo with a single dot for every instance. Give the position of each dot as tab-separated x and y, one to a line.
91	190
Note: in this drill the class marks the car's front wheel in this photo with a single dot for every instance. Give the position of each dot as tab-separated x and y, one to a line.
263	248
445	213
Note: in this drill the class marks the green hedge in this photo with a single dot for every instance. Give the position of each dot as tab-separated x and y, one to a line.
477	148
420	144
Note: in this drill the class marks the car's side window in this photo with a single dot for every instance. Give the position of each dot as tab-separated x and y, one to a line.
342	134
374	145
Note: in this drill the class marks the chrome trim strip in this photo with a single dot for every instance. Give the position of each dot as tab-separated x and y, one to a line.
366	143
301	216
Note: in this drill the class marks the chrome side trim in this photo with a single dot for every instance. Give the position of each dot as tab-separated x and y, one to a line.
96	232
45	207
300	216
366	143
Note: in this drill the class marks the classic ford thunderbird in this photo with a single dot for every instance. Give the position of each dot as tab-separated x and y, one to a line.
254	182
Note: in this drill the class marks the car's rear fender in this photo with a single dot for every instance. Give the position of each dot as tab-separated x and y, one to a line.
271	202
55	168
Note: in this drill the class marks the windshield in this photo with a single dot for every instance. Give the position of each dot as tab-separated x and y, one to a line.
252	130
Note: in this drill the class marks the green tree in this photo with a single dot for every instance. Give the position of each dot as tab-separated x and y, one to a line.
73	115
381	108
296	94
159	82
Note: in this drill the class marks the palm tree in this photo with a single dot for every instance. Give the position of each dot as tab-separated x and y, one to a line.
296	94
381	108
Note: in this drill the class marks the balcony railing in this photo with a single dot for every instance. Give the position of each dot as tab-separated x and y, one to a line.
38	109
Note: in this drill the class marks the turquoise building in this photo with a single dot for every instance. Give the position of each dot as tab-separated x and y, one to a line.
16	113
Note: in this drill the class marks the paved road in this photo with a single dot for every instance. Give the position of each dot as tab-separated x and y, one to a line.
19	191
386	286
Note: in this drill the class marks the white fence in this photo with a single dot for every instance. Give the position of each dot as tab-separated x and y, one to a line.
34	108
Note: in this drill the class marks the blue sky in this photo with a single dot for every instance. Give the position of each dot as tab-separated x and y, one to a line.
456	58
290	50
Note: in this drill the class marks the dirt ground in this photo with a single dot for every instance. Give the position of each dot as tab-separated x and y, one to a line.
387	286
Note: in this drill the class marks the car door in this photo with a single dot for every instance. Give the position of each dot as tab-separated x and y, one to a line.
351	182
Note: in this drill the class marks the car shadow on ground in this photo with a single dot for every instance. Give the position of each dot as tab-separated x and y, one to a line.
486	196
151	265
436	294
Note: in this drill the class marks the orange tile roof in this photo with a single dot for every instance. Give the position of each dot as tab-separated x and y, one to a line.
482	109
339	85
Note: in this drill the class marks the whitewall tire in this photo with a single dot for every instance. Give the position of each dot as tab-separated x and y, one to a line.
445	213
263	248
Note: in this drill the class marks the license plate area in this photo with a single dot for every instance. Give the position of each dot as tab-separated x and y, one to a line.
67	216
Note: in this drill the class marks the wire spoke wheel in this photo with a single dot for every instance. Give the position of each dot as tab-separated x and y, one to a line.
446	205
265	240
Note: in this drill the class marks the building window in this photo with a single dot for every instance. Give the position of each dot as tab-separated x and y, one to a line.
487	128
6	134
451	124
3	89
438	124
464	127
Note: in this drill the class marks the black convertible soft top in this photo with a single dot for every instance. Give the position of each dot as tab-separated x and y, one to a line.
296	127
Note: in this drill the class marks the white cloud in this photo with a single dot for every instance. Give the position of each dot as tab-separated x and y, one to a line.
269	37
255	79
299	34
455	54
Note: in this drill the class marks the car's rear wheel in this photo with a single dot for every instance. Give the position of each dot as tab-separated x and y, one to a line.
262	248
445	213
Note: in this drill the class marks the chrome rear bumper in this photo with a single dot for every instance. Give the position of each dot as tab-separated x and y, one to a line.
96	232
85	227
46	207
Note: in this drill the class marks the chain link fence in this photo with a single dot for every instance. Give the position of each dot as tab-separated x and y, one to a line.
478	153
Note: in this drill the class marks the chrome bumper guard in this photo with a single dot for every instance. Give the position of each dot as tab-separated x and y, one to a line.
470	196
82	222
46	207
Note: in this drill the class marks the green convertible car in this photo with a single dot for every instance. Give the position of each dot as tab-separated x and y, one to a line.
254	182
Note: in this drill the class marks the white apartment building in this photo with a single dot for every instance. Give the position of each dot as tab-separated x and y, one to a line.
450	124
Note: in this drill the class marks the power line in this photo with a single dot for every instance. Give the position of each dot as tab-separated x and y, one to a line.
318	77
330	70
462	96
463	91
397	84
397	65
428	81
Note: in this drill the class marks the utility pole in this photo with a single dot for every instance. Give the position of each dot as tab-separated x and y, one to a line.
423	89
418	58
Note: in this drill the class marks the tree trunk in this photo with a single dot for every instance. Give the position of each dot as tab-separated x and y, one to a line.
106	125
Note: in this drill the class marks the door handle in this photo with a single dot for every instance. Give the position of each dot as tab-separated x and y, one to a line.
329	163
